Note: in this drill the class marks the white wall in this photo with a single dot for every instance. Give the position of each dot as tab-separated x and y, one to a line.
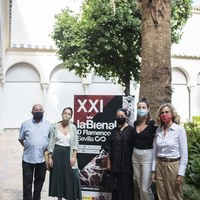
33	74
33	20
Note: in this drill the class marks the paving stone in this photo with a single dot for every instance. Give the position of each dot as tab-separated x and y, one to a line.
11	169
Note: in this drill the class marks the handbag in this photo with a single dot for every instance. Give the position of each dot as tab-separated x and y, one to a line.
109	181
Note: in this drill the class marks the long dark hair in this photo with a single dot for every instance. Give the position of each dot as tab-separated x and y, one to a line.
68	108
122	110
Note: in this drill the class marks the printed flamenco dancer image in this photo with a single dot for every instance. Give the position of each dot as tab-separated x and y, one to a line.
90	175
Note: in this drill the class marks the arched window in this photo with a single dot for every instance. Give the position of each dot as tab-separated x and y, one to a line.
178	77
198	79
99	79
22	72
62	75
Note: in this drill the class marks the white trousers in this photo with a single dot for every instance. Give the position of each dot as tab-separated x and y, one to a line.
142	163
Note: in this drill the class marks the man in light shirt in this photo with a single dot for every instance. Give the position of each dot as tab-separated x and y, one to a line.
34	137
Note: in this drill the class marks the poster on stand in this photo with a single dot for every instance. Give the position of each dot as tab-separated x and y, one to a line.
94	116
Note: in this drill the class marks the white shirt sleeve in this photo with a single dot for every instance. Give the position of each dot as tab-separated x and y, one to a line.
183	151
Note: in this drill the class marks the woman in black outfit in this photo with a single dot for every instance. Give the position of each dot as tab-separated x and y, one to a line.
144	132
119	157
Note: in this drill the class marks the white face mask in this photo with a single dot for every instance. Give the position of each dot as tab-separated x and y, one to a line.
142	112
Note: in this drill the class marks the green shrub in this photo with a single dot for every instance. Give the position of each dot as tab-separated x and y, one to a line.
190	192
193	169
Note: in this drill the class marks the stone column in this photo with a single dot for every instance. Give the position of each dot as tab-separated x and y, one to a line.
191	93
45	87
1	102
86	81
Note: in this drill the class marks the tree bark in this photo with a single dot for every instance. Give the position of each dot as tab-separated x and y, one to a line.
155	75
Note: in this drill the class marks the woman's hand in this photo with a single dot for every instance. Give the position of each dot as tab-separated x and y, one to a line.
108	163
51	162
153	177
179	179
72	162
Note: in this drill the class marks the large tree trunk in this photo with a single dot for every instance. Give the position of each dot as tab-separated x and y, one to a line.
126	80
127	88
155	77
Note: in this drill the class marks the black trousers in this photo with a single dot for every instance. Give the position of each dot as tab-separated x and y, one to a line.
33	173
125	188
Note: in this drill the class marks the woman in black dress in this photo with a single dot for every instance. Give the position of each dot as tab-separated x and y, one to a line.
120	146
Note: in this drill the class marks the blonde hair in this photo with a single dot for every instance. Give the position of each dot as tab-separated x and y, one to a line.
175	116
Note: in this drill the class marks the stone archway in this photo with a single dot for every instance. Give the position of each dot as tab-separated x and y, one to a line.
21	90
180	94
64	84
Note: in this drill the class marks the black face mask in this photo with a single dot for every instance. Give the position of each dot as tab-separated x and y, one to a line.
121	121
37	116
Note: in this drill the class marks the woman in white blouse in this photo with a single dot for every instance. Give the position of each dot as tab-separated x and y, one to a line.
64	177
170	154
